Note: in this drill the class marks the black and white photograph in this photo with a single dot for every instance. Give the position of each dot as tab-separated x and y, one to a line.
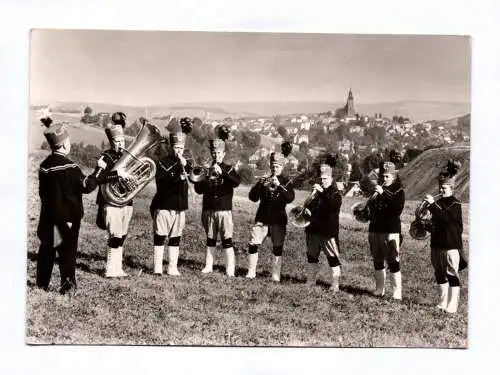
248	189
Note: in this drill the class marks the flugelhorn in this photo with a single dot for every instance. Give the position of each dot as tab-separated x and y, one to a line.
301	215
361	211
200	173
268	182
421	226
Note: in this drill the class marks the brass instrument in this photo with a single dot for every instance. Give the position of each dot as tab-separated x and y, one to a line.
200	173
361	211
141	168
268	182
301	215
421	227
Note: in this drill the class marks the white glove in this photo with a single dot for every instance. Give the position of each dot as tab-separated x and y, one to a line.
183	161
318	188
275	181
429	199
379	189
101	163
217	169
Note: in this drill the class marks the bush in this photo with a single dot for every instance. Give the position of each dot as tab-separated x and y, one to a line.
45	145
133	129
85	155
246	175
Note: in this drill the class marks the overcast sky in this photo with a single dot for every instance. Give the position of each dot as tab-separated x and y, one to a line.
161	68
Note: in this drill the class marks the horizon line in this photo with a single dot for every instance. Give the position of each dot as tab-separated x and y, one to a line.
247	101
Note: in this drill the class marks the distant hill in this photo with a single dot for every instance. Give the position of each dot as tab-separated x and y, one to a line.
419	176
460	121
416	110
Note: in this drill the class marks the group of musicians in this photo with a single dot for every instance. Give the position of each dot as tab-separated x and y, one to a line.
62	183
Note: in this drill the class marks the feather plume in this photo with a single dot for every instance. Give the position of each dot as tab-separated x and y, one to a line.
45	116
46	121
395	157
452	167
286	148
223	132
331	160
119	118
186	125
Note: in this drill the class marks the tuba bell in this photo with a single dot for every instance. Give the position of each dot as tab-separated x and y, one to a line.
300	215
141	168
421	226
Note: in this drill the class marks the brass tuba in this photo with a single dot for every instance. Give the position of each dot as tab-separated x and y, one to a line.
421	227
141	168
301	216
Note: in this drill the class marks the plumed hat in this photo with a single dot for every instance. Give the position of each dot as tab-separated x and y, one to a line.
326	167
217	143
118	118
448	175
277	158
179	137
325	170
55	134
389	167
114	132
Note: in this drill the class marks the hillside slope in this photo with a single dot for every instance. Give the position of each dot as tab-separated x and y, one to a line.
419	176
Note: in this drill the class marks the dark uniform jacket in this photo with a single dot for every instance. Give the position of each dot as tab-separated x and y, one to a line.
218	193
272	203
447	226
110	157
61	185
386	209
171	185
325	211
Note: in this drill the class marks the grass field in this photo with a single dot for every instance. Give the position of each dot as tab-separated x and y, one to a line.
196	309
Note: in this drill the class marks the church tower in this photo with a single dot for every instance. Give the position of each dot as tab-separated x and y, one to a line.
350	105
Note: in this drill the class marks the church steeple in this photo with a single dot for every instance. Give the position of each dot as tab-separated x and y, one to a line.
350	105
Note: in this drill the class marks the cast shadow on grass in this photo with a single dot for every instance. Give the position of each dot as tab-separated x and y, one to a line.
194	265
32	256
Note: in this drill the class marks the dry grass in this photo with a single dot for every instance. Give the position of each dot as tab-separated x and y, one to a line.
213	310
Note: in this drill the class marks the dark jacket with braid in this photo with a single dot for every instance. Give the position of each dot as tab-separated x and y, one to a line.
110	157
218	193
61	185
386	209
272	203
171	185
325	211
447	225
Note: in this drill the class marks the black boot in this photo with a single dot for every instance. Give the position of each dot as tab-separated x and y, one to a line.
68	287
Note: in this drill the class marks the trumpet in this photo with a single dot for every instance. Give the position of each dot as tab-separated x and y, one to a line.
361	211
421	227
301	215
